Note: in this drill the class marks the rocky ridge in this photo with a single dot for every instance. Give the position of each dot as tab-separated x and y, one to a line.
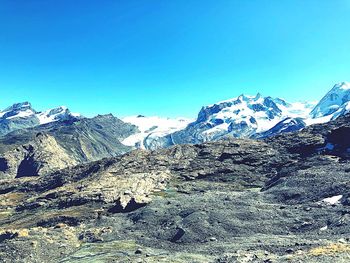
56	145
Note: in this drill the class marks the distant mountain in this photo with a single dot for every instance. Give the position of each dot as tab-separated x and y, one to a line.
241	117
22	115
59	144
257	117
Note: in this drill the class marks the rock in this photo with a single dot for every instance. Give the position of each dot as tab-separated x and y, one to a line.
342	241
139	251
290	251
179	234
91	236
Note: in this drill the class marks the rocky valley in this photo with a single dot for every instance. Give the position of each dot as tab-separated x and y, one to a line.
284	198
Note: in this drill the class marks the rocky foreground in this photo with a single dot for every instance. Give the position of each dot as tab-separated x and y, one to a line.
283	199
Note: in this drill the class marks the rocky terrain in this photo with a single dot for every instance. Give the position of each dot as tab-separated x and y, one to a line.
282	199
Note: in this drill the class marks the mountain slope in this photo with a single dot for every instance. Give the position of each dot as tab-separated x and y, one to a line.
72	142
335	103
152	128
287	125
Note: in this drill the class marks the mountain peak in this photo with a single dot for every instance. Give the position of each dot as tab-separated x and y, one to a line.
18	110
22	106
258	96
55	114
342	85
22	115
333	102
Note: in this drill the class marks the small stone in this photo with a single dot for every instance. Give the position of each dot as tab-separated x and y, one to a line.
342	240
34	243
289	250
60	225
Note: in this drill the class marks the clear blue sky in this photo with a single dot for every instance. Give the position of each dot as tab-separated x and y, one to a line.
168	58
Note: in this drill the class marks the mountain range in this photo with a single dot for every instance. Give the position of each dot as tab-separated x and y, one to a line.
23	130
241	117
284	198
251	179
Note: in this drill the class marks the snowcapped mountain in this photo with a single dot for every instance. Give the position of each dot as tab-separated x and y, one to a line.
152	128
241	117
18	110
257	117
335	103
56	114
247	115
22	115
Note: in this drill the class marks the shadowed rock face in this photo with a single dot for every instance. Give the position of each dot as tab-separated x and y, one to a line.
273	200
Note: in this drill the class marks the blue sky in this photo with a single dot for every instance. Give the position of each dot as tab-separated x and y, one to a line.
169	58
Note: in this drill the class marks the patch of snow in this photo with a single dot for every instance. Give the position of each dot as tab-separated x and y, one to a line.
2	113
332	200
53	115
153	126
323	119
324	228
22	114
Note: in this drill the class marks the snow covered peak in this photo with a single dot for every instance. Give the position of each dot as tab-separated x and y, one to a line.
334	102
24	110
243	108
18	110
56	114
343	85
19	106
245	116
